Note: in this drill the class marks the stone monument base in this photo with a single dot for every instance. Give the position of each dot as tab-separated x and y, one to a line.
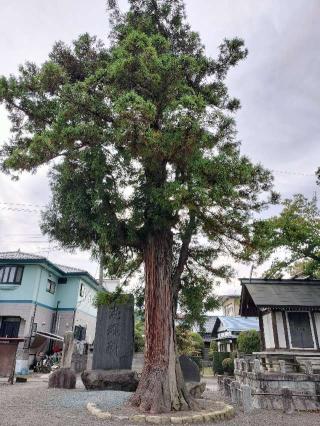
119	380
63	378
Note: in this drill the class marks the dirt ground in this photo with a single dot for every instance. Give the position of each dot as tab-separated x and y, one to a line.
33	404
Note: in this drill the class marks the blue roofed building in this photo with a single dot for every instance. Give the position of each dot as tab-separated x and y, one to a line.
226	330
38	296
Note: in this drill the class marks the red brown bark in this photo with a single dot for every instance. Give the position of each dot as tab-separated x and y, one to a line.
161	387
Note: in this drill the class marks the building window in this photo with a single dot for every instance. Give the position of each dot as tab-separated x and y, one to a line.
81	289
51	287
10	327
10	274
80	332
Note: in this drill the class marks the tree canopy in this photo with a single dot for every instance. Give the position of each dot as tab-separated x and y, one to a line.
145	138
291	239
146	165
249	342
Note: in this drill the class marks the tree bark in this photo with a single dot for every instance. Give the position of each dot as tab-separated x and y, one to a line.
161	388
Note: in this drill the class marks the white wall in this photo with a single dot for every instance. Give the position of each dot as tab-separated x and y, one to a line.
87	321
281	332
268	331
85	302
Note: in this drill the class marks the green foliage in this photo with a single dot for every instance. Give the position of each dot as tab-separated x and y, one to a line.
213	348
188	342
228	365
249	341
218	357
296	232
139	337
106	298
145	135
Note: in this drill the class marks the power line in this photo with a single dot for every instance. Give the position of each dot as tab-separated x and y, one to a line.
289	172
23	204
14	209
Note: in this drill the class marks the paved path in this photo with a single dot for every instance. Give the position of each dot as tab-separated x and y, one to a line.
33	404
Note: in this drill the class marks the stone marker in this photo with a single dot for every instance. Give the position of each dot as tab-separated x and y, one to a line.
287	400
124	380
256	366
114	338
64	377
67	351
233	391
190	370
246	398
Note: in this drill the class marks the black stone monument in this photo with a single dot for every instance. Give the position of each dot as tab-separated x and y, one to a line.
190	370
114	338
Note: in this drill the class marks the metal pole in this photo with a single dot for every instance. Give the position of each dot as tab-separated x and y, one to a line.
101	269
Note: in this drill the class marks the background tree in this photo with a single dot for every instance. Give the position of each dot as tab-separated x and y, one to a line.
143	139
291	239
249	341
188	342
138	336
213	348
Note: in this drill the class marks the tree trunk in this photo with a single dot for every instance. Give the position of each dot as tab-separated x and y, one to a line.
161	387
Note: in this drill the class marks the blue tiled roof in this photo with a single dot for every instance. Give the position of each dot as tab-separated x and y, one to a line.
209	324
239	323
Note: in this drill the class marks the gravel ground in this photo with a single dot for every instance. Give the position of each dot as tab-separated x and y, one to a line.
79	398
32	404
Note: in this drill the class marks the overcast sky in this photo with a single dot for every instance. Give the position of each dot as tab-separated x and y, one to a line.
278	85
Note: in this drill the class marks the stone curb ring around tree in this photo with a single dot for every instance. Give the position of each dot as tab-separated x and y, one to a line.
226	412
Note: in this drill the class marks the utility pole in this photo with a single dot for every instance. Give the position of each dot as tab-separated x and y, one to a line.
101	270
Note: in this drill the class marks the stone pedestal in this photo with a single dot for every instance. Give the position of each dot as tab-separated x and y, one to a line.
119	380
63	378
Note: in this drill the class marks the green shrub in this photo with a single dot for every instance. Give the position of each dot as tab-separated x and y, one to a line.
249	341
218	357
213	348
139	336
107	298
228	365
188	342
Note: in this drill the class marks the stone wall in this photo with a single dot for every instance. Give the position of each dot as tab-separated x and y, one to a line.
267	387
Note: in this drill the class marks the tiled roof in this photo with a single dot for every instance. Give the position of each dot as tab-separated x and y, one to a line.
283	292
210	322
33	258
19	255
68	269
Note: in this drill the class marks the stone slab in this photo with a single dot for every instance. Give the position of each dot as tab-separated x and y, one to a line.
190	370
114	338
